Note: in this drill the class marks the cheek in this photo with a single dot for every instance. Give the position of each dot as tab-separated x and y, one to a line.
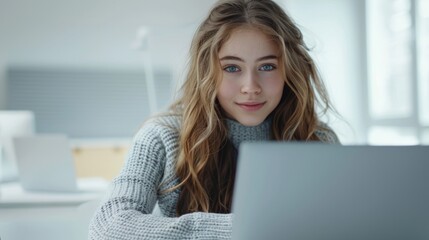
226	89
274	87
277	94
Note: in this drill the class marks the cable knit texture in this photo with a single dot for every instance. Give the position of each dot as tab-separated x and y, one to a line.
126	213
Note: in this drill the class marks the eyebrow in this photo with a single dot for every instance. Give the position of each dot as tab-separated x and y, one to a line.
241	60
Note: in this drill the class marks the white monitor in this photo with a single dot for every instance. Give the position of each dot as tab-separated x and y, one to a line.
12	124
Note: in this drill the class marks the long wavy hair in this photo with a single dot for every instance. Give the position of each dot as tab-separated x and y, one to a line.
207	159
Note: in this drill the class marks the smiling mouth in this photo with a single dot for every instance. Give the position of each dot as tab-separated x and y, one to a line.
251	106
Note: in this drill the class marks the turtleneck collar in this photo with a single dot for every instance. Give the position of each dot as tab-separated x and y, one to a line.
239	133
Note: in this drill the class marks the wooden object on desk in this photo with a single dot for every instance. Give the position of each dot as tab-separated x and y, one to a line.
99	161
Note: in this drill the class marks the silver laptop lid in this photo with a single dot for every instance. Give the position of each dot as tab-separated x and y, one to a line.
45	163
317	191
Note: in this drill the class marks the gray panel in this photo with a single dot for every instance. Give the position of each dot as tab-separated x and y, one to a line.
317	191
84	103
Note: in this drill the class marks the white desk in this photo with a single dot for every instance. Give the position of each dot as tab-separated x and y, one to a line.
42	215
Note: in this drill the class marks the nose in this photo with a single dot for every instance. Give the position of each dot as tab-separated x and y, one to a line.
250	84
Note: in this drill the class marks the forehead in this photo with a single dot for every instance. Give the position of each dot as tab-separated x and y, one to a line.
248	42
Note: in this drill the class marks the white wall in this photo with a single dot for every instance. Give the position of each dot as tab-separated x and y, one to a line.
95	33
335	30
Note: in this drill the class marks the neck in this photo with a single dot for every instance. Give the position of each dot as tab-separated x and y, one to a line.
239	133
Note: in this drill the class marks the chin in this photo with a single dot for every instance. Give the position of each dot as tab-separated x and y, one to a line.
250	122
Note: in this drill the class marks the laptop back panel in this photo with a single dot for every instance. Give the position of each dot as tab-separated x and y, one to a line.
318	191
45	163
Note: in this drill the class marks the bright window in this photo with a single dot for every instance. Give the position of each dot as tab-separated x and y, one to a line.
423	59
398	76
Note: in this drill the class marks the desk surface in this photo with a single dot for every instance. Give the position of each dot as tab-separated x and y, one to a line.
13	196
48	215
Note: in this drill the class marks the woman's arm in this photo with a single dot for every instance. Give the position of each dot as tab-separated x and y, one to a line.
127	212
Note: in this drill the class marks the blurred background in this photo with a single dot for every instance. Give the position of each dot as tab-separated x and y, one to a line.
95	70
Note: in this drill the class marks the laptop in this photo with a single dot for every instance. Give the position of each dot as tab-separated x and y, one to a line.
45	163
316	191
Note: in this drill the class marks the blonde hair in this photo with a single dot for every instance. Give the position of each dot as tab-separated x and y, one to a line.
206	159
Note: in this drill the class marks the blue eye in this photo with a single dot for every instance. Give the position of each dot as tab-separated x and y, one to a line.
231	69
267	67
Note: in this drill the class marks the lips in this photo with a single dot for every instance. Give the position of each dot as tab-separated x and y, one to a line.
251	106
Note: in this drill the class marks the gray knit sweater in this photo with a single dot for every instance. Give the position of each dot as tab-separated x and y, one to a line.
126	213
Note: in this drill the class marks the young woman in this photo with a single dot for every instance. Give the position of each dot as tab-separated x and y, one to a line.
250	79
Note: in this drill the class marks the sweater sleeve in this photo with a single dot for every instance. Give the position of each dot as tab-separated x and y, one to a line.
126	213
